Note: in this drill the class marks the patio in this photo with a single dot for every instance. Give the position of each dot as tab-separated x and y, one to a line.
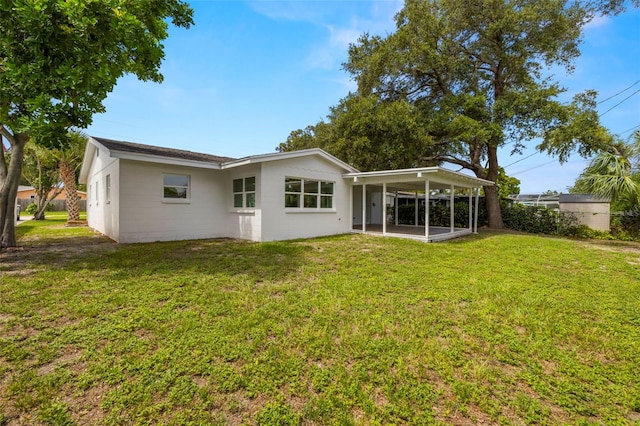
436	233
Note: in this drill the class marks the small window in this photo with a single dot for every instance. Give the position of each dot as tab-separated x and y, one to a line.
292	192
244	192
326	195
176	186
96	192
107	189
308	194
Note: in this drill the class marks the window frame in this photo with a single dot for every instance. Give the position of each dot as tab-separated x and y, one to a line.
310	189
107	189
176	200
244	192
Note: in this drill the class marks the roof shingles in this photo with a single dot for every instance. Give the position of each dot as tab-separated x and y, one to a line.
137	148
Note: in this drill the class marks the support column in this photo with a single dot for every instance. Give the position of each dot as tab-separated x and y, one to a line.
351	207
415	205
470	209
384	208
426	209
476	212
364	207
452	212
396	207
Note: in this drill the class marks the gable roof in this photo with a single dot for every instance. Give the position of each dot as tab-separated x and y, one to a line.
254	159
156	154
136	148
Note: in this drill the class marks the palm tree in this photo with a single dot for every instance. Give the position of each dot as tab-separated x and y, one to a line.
69	162
614	174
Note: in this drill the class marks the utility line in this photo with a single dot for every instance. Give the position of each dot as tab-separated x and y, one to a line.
637	91
630	129
620	92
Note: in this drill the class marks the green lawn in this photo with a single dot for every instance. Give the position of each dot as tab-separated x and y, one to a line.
497	328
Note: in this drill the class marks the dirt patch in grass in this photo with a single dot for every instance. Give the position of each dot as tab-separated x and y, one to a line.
35	253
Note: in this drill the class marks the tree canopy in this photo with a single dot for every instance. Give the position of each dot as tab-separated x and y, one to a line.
473	77
59	59
615	174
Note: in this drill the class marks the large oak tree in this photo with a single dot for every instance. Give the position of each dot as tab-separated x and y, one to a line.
58	61
473	75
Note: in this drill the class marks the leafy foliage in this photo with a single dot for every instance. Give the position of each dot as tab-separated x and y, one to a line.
615	174
58	61
468	76
439	214
537	220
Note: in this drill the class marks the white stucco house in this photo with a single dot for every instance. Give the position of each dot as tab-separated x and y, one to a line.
143	193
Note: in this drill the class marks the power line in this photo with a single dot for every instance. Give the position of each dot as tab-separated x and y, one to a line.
619	93
630	129
522	159
637	91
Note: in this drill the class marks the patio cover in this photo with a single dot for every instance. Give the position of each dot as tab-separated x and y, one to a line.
424	180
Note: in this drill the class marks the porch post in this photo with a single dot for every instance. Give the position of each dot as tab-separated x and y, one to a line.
451	209
364	207
396	207
351	207
415	204
470	209
426	209
384	208
476	213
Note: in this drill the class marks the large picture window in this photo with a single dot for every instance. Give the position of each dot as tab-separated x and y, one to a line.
176	186
244	192
308	194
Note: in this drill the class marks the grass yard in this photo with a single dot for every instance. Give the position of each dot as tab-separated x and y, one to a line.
497	328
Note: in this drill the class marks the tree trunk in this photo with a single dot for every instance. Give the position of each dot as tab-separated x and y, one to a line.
9	191
491	197
68	178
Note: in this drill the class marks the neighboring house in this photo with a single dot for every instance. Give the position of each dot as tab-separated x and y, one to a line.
142	193
29	193
589	209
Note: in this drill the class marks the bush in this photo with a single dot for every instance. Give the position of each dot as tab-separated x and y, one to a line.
583	231
537	220
438	214
31	209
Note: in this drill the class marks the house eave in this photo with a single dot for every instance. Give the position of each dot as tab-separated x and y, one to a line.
164	160
255	159
418	174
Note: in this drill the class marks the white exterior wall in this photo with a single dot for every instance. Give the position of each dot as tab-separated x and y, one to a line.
244	223
594	215
145	216
278	224
102	215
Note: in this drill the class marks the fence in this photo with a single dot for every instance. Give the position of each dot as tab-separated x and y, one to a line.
54	205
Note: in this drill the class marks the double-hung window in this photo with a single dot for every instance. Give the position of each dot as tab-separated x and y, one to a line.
176	187
244	192
308	193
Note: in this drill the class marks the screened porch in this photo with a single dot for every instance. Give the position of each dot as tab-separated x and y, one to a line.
394	203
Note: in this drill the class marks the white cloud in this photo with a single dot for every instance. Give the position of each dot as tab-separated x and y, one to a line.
343	21
597	22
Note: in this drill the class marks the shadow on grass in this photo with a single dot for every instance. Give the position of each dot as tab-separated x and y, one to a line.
44	245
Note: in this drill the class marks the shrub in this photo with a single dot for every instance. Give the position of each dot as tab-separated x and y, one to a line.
438	214
537	220
31	209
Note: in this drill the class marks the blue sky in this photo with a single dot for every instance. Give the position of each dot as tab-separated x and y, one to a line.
249	72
